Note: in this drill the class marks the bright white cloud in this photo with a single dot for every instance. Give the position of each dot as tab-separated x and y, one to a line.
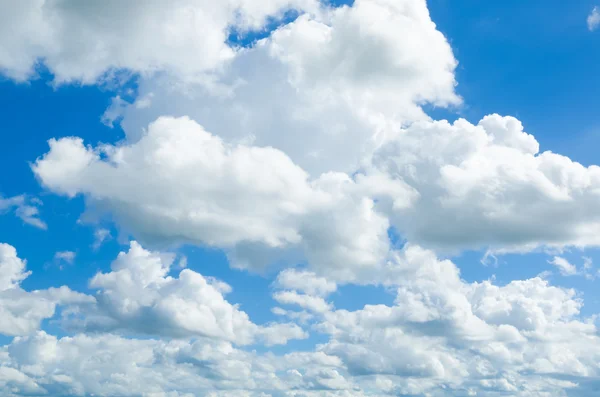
26	209
305	148
593	20
442	185
326	91
246	199
110	365
21	312
305	281
138	296
84	42
487	185
524	338
442	336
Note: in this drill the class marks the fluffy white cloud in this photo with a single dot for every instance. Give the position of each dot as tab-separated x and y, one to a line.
21	312
305	281
26	209
110	365
487	185
442	185
305	148
325	90
138	296
444	336
83	42
181	184
593	20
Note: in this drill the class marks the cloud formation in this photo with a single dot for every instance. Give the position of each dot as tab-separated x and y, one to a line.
85	42
593	20
21	312
303	152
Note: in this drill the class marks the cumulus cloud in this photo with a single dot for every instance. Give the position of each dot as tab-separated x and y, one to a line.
442	185
305	281
593	20
442	336
305	148
525	338
21	312
24	208
487	185
111	365
85	42
227	196
139	296
326	90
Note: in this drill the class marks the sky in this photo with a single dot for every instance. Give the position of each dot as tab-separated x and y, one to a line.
299	198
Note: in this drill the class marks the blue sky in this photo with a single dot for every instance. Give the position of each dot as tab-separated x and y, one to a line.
536	62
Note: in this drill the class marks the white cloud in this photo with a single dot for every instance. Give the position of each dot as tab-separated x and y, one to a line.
268	173
138	296
593	20
65	256
100	236
442	337
305	281
312	303
563	265
487	186
83	42
245	199
21	312
26	209
326	90
111	365
446	186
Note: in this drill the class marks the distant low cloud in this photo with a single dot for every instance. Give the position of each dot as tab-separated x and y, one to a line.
593	20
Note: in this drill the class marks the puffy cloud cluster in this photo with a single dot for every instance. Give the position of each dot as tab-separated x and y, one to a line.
305	148
441	337
487	185
21	312
180	184
444	336
139	297
442	185
111	365
325	90
85	41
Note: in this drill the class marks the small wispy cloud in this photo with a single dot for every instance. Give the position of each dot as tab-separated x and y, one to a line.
100	236
25	209
64	258
593	20
564	267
